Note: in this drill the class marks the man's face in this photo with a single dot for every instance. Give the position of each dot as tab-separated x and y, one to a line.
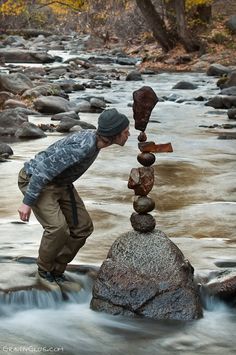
122	137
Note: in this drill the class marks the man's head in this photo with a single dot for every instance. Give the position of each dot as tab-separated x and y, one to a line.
113	127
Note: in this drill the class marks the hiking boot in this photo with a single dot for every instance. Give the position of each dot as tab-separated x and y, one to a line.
67	284
47	280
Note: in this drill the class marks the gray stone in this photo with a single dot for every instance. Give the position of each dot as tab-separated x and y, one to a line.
232	113
217	70
15	83
44	90
53	104
29	130
12	55
185	85
11	120
143	222
134	76
231	24
5	150
145	274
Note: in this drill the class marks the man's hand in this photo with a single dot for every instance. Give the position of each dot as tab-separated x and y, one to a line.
24	212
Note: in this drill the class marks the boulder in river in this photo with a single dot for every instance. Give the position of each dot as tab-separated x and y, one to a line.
134	75
217	70
185	85
11	120
53	104
29	130
5	151
145	274
221	285
232	113
15	83
12	55
222	101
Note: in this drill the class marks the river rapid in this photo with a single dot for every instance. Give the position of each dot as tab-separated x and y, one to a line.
195	205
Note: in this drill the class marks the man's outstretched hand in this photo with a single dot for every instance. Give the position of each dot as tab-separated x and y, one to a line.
24	212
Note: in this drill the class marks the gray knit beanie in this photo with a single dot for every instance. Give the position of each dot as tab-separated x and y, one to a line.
111	123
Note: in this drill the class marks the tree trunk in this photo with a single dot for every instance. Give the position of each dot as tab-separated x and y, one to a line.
189	44
156	24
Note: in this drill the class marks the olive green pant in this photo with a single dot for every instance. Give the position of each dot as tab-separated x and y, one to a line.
61	238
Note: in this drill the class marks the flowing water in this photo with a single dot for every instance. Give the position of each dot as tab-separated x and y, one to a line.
195	205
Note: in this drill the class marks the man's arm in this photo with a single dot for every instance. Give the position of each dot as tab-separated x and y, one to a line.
52	166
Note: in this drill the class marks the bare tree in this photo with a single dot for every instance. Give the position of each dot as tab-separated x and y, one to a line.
190	44
156	24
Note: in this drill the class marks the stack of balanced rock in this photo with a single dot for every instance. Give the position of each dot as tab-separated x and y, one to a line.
141	179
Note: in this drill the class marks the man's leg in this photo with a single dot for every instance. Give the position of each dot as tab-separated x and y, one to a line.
56	230
48	212
78	233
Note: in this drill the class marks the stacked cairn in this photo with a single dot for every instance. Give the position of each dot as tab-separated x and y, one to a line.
141	179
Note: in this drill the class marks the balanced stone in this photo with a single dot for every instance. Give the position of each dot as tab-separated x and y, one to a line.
143	204
152	147
141	180
143	222
142	137
146	159
145	100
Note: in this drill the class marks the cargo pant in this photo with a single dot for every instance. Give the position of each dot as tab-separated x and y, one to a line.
62	237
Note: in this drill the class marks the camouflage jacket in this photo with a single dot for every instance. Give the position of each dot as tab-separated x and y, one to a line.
61	163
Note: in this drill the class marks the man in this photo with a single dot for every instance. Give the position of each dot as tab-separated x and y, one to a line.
46	182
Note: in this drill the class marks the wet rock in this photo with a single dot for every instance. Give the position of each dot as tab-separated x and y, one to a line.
62	115
42	90
145	274
83	106
12	55
146	159
29	130
232	113
231	91
224	102
145	100
143	204
143	223
134	76
4	96
69	85
53	104
222	285
231	80
228	135
142	137
141	180
15	83
11	120
185	85
126	60
226	263
217	70
98	103
5	150
14	103
231	24
34	72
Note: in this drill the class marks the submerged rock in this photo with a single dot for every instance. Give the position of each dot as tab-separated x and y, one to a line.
145	274
221	285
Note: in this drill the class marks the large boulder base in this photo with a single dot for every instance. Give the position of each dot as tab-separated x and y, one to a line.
145	274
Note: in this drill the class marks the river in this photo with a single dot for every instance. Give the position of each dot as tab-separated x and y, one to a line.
195	206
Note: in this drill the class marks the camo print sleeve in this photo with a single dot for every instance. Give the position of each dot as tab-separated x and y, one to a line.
56	158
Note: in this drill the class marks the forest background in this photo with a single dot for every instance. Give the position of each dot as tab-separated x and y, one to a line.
164	33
